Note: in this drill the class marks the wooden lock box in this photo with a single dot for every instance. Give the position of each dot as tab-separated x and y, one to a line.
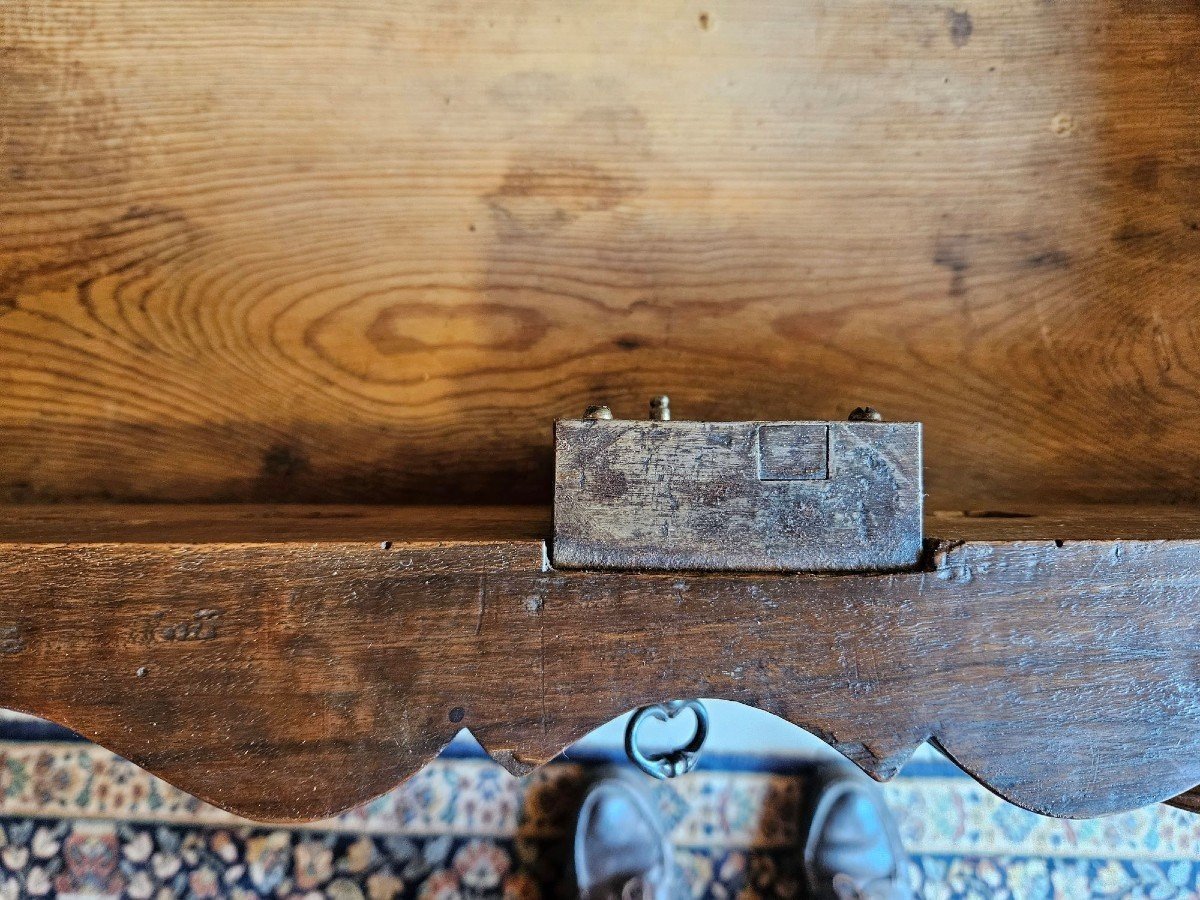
291	293
737	496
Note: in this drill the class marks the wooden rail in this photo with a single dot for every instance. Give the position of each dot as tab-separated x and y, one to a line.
290	662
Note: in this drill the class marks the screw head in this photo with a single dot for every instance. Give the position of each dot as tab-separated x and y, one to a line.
660	409
866	414
595	413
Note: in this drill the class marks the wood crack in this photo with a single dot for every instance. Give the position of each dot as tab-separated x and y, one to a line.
541	609
482	603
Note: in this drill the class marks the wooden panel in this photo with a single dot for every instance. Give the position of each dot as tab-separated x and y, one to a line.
290	680
365	250
737	496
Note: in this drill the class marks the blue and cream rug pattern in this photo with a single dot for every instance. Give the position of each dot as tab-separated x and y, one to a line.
75	820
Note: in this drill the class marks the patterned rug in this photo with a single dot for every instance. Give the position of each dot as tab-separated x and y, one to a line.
76	820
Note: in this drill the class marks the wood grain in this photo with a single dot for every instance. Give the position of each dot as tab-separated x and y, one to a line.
103	523
335	250
290	523
291	679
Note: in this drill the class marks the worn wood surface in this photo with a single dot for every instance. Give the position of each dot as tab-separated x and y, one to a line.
367	249
737	496
289	523
297	523
325	250
290	678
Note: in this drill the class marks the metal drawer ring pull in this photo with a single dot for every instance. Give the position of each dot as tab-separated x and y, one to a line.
671	763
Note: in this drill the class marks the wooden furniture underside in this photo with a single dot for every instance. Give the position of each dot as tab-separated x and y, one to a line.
290	662
365	251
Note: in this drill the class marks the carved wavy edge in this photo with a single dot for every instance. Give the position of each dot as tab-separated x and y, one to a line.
1057	674
511	761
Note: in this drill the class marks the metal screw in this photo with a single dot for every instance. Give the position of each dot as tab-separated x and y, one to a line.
597	412
866	414
660	409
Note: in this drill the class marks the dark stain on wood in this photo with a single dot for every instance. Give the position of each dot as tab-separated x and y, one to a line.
12	641
545	196
960	25
951	255
282	462
1145	173
1132	232
1055	259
